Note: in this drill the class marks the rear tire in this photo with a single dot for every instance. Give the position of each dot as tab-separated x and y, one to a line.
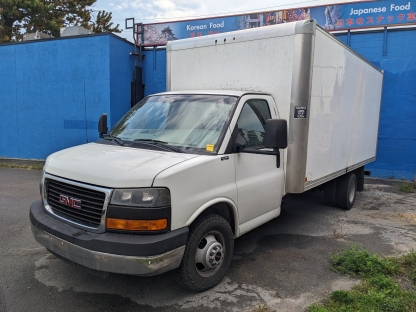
359	173
207	254
330	193
346	191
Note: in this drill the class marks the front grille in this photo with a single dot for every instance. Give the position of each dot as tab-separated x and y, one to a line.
92	202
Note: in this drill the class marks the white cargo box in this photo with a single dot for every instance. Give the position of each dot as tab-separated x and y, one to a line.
329	94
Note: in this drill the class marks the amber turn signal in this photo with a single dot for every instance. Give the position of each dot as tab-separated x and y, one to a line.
137	225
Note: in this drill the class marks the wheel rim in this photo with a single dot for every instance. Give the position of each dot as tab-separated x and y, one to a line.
209	255
351	193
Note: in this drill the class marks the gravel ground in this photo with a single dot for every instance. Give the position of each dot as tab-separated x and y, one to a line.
284	264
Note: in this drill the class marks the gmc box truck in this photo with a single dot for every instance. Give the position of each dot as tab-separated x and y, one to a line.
265	112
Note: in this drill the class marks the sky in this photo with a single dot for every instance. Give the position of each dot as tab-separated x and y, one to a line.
150	11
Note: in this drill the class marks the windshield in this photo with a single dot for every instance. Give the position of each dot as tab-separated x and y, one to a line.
189	122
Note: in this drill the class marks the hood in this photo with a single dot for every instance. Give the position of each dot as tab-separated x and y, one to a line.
111	165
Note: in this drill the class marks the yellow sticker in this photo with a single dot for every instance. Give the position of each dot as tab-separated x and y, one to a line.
210	147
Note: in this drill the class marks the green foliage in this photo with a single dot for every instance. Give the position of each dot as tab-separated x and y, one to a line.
408	264
48	16
103	23
378	291
375	294
358	262
407	187
342	296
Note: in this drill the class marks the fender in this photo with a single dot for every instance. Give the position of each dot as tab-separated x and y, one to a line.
211	202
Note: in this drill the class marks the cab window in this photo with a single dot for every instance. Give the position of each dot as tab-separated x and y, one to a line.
252	121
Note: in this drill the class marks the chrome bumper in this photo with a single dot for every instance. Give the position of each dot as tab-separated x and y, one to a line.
144	266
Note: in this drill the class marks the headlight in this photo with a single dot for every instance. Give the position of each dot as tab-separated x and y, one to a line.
145	197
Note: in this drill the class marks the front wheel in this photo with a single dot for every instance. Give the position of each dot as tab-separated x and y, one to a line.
207	254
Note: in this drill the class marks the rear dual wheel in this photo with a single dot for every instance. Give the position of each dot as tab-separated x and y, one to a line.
330	193
341	192
346	191
207	254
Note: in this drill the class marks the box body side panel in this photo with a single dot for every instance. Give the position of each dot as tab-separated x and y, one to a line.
344	111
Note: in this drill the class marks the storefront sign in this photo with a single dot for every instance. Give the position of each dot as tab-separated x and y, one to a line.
365	14
332	17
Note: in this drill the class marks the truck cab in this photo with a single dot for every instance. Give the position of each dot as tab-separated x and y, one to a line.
171	185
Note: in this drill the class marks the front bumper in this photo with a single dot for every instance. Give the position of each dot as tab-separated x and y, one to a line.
143	255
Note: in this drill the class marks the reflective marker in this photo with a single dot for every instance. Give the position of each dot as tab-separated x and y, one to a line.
137	225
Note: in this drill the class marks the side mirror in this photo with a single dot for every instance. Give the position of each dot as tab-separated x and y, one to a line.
102	125
275	133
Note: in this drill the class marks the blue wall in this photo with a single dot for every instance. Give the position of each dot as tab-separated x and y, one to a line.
53	92
121	76
154	71
396	153
395	53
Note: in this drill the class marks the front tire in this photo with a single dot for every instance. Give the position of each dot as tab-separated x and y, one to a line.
346	191
207	254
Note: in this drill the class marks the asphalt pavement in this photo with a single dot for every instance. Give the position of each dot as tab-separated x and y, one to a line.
284	264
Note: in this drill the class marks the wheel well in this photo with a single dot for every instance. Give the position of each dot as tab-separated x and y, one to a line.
224	210
359	174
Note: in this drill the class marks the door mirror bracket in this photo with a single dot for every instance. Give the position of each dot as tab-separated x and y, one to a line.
239	143
277	157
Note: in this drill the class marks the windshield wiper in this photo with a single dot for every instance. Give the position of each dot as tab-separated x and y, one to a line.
161	144
150	140
115	139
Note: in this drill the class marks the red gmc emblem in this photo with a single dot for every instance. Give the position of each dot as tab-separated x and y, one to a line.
71	202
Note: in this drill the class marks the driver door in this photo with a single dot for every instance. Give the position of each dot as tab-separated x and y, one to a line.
259	182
